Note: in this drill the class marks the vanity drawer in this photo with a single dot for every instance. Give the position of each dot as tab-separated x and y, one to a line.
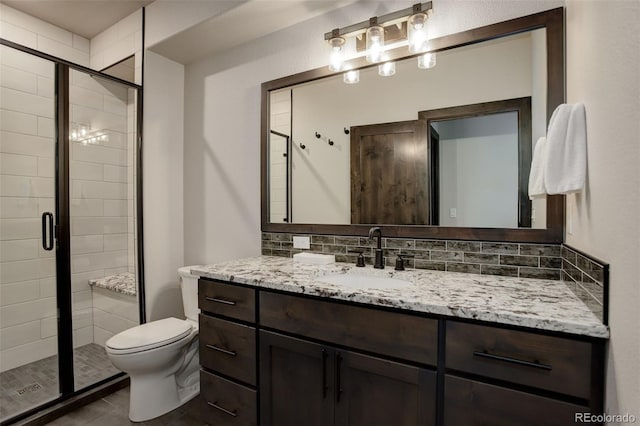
228	348
387	333
227	403
468	402
546	362
227	299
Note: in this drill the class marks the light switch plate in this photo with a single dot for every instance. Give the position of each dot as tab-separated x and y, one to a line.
301	242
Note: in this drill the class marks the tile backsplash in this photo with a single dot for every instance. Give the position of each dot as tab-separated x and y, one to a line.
478	257
588	278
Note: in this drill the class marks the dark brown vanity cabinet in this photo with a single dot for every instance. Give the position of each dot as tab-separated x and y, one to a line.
517	377
279	359
305	383
470	402
227	340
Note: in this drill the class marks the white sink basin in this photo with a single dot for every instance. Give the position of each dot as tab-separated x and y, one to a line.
363	281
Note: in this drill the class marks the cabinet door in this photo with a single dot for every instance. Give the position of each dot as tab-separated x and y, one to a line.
296	382
472	403
371	391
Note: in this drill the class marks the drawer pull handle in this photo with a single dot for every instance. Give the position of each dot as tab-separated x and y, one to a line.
325	388
536	364
224	351
339	389
223	301
224	410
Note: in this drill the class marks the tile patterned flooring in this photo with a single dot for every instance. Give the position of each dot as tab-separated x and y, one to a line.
30	385
113	410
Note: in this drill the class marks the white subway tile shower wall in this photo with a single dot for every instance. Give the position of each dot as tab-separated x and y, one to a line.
102	176
118	42
27	155
34	33
102	194
112	313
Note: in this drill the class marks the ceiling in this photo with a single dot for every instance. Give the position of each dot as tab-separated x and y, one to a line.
90	17
83	17
273	15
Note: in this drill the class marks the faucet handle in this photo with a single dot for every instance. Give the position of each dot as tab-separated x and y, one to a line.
360	260
400	261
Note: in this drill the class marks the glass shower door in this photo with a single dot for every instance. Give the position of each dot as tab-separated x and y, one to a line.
69	271
28	305
102	147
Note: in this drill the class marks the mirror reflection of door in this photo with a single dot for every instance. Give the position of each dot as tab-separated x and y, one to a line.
484	162
389	174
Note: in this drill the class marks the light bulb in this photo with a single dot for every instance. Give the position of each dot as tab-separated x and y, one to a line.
426	61
337	53
417	29
387	69
375	43
351	77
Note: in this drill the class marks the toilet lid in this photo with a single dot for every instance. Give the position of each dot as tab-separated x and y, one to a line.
150	335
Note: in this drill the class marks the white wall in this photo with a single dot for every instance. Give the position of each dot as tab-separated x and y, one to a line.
31	32
603	69
166	18
163	185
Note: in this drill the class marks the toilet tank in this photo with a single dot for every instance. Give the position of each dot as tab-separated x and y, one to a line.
189	286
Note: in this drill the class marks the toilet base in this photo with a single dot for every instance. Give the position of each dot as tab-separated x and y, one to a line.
152	397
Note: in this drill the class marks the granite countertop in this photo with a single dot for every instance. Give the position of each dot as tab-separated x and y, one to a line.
534	303
124	283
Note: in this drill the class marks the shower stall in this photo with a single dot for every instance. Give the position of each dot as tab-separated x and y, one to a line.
70	230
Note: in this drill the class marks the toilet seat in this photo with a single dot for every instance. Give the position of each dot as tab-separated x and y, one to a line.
149	336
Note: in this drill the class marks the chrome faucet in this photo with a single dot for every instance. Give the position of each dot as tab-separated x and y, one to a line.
379	261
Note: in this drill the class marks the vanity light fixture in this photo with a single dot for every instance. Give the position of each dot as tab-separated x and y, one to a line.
351	77
426	61
337	52
417	32
84	135
375	41
387	69
403	27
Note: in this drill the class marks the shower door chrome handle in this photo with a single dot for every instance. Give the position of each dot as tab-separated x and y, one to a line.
47	220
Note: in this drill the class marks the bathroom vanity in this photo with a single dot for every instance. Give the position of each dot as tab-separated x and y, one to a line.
280	347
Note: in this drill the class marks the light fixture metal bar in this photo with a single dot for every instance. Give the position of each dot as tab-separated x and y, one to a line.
381	20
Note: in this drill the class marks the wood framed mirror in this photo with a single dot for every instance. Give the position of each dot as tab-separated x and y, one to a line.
552	22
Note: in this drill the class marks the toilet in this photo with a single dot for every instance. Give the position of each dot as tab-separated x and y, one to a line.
161	357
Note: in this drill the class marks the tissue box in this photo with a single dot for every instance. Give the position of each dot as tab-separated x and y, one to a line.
314	258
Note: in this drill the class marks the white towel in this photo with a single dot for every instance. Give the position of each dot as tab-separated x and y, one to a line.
536	175
565	166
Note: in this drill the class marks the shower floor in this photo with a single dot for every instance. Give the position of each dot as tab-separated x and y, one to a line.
30	385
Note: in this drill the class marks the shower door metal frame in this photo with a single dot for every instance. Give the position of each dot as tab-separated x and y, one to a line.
62	232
